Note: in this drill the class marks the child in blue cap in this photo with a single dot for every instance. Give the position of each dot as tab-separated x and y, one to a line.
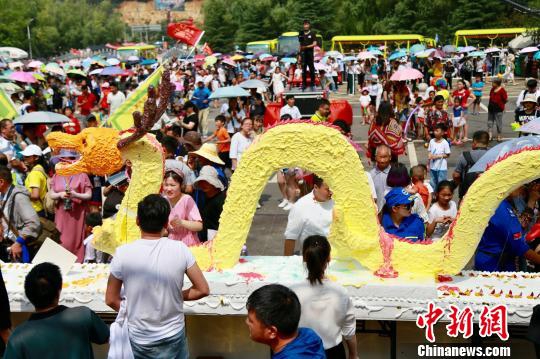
397	218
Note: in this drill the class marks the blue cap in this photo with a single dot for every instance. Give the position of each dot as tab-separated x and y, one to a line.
398	196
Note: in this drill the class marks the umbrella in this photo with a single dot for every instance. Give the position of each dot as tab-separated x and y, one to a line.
10	87
249	56
290	60
253	84
13	53
113	62
528	50
15	64
210	60
537	56
502	149
335	54
364	55
228	92
22	76
320	66
477	54
35	64
416	48
112	71
41	117
424	54
375	52
268	58
74	63
75	73
449	49
147	62
397	55
349	58
199	57
87	62
437	54
489	50
465	49
95	72
229	62
406	74
237	57
54	68
532	126
131	58
262	56
38	76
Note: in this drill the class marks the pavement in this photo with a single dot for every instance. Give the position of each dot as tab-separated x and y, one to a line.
266	233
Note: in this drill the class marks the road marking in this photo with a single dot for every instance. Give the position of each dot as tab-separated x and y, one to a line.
411	151
483	107
273	179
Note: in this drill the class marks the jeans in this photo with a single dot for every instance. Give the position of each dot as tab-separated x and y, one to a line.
495	117
437	176
175	347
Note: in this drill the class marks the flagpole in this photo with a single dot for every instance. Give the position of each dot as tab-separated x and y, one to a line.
195	45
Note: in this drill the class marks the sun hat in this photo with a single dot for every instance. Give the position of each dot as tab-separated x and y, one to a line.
209	151
32	150
64	153
398	196
530	97
210	175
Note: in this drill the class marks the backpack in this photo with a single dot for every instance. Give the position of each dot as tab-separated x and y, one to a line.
467	178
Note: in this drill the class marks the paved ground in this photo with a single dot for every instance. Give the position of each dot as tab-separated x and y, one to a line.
266	234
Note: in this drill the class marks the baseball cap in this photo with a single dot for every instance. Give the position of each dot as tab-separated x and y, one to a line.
398	196
32	150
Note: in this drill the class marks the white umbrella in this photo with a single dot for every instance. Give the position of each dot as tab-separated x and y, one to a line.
112	61
334	54
10	87
492	49
131	58
53	68
253	84
95	72
35	64
13	53
41	117
528	50
74	63
13	65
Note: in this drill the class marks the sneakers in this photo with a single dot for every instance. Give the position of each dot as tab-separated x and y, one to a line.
288	206
283	203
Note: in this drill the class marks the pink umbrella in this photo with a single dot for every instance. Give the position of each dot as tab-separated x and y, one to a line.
34	64
528	50
406	74
364	55
437	54
22	76
229	62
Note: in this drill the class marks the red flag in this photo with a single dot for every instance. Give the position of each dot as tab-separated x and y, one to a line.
206	49
185	32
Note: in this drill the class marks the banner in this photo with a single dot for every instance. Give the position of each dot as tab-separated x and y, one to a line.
170	5
122	118
185	32
7	108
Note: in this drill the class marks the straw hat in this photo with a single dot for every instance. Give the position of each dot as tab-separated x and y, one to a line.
210	175
209	151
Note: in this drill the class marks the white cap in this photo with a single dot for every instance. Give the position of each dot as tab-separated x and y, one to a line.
32	150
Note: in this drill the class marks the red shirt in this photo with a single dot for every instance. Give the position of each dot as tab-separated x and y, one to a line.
73	127
464	94
498	98
86	102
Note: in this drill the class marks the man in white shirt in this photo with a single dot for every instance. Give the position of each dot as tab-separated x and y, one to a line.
240	142
290	109
151	270
310	215
115	98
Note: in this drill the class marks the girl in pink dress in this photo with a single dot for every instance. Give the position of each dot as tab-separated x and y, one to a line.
72	194
185	220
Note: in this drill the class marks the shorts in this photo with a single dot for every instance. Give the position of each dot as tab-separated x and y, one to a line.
458	122
373	100
477	100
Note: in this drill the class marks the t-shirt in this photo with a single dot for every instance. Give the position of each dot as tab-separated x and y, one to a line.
307	345
239	144
294	112
222	135
152	272
435	212
438	148
477	88
211	211
410	228
86	102
464	95
191	118
37	179
523	117
307	39
60	333
115	101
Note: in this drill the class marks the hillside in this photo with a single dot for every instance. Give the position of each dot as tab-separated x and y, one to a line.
144	12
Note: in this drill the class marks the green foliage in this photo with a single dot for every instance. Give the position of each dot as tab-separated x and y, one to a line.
59	24
236	22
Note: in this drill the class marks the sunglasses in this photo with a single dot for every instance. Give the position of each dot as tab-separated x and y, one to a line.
406	206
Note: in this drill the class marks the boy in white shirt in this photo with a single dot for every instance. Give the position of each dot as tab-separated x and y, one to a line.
438	152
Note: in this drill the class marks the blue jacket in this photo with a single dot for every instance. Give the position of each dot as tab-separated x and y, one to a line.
501	242
199	95
307	345
411	228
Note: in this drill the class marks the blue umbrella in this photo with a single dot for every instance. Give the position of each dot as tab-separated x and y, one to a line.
375	51
146	62
532	126
228	92
449	49
350	58
290	60
502	149
249	57
537	56
477	54
397	55
112	71
416	48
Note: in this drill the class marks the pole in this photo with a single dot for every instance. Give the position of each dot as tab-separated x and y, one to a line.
29	37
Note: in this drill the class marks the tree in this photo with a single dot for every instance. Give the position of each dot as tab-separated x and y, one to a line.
219	24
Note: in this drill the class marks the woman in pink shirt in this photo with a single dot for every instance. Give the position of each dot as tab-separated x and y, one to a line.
185	220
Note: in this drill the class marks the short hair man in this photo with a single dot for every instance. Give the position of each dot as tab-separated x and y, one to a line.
273	317
54	330
152	270
310	215
467	159
321	115
290	108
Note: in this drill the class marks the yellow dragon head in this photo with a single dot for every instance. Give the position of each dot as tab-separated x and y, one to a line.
97	147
